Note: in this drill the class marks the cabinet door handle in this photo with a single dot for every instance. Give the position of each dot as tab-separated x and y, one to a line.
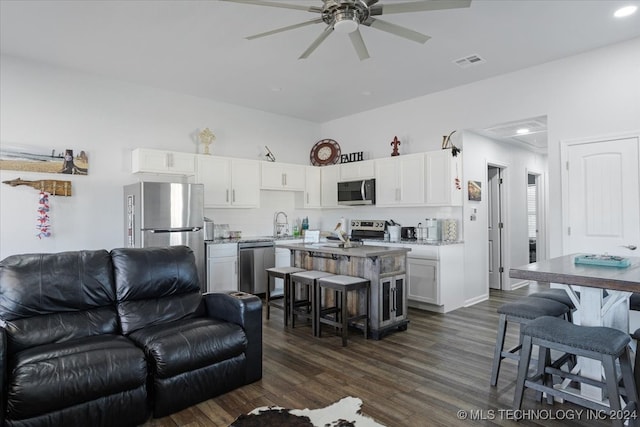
227	197
307	198
393	298
169	160
233	195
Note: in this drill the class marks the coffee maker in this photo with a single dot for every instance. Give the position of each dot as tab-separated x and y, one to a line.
433	230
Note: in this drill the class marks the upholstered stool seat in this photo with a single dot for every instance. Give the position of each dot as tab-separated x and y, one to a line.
560	295
338	315
521	312
607	345
305	306
281	301
555	294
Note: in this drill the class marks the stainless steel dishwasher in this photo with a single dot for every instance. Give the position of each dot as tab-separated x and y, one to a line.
255	256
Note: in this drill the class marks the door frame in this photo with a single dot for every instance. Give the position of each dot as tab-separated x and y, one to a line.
506	219
564	176
541	207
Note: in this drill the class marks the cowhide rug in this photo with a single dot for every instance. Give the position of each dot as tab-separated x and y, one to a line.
345	413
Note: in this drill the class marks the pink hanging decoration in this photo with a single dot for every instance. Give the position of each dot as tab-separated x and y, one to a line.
43	225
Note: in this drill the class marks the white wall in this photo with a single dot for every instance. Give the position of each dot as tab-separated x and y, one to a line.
478	153
58	109
595	93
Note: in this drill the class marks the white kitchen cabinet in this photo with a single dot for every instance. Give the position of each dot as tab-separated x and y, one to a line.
441	171
423	280
357	170
222	267
400	180
282	176
330	175
436	277
229	182
164	162
312	196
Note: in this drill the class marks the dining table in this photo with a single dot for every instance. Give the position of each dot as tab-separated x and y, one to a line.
586	285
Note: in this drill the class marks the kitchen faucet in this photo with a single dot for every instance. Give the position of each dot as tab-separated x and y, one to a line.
280	228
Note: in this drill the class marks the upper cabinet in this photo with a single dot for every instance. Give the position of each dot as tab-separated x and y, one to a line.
232	183
443	185
400	180
330	175
282	176
357	170
165	162
313	186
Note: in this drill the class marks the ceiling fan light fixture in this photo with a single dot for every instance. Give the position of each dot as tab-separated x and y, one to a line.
345	22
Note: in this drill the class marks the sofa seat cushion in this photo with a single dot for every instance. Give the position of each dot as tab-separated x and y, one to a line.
55	376
189	344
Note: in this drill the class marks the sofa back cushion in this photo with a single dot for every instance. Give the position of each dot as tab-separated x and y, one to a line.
155	286
47	298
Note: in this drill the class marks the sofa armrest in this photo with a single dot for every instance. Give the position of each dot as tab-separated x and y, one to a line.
3	373
245	310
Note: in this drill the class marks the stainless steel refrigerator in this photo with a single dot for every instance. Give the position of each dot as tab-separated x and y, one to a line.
166	214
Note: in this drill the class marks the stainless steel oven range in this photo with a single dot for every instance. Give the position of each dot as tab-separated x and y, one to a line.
367	229
255	256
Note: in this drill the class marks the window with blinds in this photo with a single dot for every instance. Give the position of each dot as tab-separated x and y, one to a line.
532	197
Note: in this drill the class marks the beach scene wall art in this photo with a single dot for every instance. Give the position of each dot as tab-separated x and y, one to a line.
25	158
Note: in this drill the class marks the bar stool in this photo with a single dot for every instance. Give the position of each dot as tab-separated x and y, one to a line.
601	343
306	307
276	300
521	312
560	295
341	285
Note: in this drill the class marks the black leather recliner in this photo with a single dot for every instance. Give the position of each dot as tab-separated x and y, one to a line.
193	347
107	339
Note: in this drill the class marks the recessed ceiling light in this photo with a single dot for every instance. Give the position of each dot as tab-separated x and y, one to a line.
625	11
366	93
275	89
522	131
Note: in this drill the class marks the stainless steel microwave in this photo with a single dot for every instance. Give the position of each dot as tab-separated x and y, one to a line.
361	192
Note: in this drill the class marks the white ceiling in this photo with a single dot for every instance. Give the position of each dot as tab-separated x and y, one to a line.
199	48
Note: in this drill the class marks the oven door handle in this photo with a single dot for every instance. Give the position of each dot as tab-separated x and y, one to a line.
363	190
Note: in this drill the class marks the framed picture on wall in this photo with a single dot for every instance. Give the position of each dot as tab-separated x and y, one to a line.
475	190
38	159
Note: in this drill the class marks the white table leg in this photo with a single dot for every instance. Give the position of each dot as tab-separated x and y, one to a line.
594	310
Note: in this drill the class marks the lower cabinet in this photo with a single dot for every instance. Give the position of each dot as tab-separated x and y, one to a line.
222	267
435	277
423	280
393	300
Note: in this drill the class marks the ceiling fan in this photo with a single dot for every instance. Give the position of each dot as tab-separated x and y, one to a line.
347	15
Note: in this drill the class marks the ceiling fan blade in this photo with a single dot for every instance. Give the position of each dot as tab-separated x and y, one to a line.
396	30
418	6
358	45
327	31
276	4
287	28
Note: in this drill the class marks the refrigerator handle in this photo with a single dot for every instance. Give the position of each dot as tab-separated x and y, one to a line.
174	230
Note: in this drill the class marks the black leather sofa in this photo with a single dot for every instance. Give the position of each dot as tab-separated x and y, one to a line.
97	338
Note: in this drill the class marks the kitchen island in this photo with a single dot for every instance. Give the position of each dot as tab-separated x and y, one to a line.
384	266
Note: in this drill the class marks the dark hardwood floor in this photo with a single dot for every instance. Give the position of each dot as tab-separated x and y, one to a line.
420	377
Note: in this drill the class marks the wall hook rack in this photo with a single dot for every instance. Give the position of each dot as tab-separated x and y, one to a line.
52	186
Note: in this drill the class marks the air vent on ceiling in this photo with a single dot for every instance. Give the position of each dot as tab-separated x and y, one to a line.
468	61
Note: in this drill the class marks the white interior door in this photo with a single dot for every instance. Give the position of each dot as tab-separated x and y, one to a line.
494	200
602	196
